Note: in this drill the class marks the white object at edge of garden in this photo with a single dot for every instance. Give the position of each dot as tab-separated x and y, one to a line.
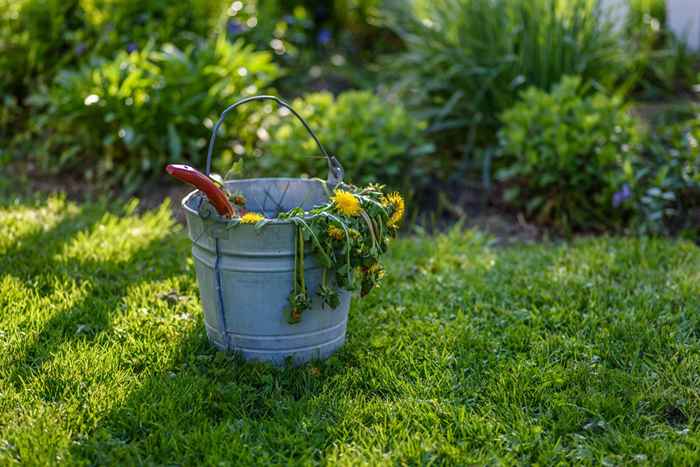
617	9
683	17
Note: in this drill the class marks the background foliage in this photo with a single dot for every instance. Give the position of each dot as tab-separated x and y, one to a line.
668	178
410	93
133	114
565	156
375	141
473	57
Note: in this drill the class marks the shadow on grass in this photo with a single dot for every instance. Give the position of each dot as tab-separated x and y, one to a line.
206	407
34	260
199	405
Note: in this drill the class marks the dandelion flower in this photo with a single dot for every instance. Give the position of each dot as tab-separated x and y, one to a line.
335	232
251	218
377	269
346	203
395	200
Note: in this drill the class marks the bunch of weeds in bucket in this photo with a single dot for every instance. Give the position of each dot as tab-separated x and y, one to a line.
348	235
299	298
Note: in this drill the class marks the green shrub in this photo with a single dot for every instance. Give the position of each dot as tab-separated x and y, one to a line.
376	141
118	23
467	60
38	37
566	159
33	40
667	191
130	115
314	40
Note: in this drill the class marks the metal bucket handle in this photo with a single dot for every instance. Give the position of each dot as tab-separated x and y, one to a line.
335	170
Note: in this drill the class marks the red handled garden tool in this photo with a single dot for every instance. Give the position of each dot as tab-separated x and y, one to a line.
216	195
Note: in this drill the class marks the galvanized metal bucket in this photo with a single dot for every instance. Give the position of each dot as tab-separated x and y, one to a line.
245	274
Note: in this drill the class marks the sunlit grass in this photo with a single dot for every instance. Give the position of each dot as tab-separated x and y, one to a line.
586	352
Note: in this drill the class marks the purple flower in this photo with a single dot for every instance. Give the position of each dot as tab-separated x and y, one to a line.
234	28
80	48
324	36
132	47
622	195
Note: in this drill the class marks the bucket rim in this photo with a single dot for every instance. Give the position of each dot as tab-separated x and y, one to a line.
221	220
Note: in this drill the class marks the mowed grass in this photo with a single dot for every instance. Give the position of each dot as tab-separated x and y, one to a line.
586	352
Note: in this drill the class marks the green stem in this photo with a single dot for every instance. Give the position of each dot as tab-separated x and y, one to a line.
301	262
324	286
296	264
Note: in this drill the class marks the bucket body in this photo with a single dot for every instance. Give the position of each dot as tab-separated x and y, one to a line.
245	276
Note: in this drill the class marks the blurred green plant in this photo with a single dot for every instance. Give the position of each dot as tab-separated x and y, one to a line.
467	60
662	64
375	140
667	188
126	117
646	14
120	24
38	37
32	41
567	160
316	41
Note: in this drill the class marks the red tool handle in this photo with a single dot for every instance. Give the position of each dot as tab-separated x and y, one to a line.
216	196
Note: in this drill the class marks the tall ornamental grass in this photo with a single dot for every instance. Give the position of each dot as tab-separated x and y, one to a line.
466	60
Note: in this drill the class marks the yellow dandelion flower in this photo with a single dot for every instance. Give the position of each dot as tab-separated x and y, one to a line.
335	232
251	218
395	200
346	203
377	269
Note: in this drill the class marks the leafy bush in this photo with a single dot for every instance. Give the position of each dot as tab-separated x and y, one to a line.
118	24
667	191
32	40
314	40
566	158
467	60
375	141
41	36
304	22
132	114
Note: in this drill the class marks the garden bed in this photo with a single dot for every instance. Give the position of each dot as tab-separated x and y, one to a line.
579	352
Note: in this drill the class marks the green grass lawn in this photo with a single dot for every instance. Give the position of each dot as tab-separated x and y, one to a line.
581	353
